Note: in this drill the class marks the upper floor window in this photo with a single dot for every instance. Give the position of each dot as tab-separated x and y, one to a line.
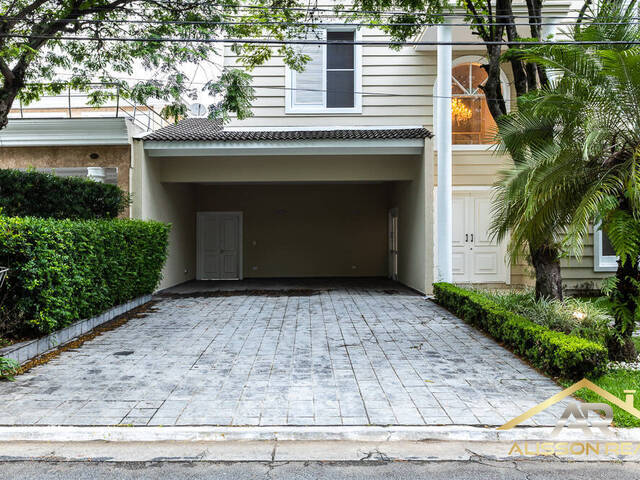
330	82
471	121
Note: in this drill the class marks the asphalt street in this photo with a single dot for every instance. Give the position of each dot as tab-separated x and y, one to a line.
470	470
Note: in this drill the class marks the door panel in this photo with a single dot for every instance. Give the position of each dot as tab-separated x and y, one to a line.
487	256
209	247
485	263
482	210
459	260
477	258
219	239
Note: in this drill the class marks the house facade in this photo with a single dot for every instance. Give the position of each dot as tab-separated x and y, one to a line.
335	174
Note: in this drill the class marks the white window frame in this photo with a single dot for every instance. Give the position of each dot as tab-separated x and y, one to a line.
291	109
506	93
602	263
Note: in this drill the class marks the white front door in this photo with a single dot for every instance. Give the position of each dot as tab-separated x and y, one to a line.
219	245
476	257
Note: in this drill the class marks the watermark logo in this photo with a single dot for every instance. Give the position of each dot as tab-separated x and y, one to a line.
589	418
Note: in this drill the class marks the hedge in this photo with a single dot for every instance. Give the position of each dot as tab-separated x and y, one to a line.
555	353
34	194
64	270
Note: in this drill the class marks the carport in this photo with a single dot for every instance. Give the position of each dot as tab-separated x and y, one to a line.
282	204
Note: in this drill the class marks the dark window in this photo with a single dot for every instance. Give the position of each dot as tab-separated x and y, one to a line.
340	70
607	248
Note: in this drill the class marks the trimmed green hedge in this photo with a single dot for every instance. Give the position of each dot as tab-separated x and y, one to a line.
64	270
556	353
34	194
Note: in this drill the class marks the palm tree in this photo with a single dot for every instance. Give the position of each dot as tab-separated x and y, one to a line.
576	146
524	136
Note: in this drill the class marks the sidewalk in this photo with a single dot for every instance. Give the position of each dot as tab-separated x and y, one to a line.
268	444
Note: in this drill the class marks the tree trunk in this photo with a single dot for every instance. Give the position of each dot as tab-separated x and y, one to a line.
548	276
492	87
621	346
7	96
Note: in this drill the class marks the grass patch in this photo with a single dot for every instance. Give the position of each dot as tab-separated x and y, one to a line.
614	382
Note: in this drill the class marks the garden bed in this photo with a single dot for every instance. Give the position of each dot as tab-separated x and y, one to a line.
556	353
578	318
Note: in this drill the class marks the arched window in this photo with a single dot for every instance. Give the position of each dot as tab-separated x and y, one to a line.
471	121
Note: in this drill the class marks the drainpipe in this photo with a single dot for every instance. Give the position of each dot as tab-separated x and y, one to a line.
443	142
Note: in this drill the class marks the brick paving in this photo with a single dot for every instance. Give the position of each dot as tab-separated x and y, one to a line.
370	353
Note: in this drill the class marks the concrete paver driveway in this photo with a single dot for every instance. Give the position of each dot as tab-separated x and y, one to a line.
346	353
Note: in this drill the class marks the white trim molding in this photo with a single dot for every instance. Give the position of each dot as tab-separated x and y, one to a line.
472	188
409	146
602	263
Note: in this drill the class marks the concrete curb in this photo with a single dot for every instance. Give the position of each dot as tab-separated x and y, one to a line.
366	433
370	443
25	351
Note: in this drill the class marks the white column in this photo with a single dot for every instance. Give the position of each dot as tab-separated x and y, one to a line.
443	142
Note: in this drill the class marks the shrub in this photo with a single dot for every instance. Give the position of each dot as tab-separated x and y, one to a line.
8	368
34	194
65	270
556	353
573	316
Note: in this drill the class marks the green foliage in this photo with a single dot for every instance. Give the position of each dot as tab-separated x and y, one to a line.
401	19
575	142
44	38
614	382
61	271
44	195
556	353
8	368
238	94
573	316
623	230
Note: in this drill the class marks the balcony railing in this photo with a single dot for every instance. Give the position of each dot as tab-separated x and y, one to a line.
75	104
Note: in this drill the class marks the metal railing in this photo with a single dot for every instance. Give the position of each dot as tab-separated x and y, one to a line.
75	104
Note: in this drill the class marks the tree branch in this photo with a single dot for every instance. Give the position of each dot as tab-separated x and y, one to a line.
479	25
6	72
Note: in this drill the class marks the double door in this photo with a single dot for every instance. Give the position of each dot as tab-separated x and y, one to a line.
477	258
219	245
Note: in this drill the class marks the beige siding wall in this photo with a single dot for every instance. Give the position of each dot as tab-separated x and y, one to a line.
578	274
402	82
474	168
307	230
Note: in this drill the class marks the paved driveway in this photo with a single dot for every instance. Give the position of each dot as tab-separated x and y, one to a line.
341	353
